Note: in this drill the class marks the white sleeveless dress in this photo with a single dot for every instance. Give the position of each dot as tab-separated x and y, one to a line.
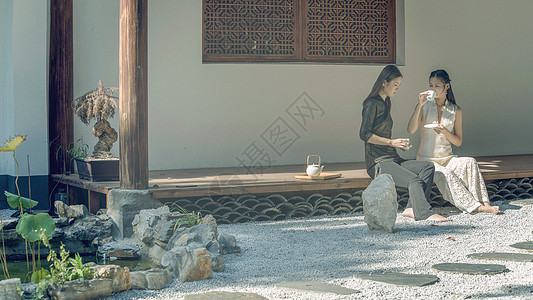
458	178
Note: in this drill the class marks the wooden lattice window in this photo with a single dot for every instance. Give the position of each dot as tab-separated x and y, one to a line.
344	31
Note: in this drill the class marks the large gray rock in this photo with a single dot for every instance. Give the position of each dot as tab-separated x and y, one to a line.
379	204
78	236
153	279
200	236
189	263
76	290
155	225
121	250
228	244
124	205
120	277
8	289
72	211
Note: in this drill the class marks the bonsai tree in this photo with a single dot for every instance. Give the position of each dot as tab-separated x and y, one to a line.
99	104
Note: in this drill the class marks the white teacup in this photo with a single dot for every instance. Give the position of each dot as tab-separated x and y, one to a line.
408	146
431	95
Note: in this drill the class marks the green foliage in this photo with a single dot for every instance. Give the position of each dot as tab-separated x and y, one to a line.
79	270
39	275
16	202
37	227
188	219
65	269
79	149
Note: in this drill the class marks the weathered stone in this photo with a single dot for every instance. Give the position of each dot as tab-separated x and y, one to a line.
72	211
188	263
400	278
154	225
183	252
77	236
528	246
8	289
77	290
62	221
153	279
202	234
121	280
199	269
228	244
121	250
29	289
380	206
156	252
316	286
124	205
471	269
502	256
209	219
217	262
220	295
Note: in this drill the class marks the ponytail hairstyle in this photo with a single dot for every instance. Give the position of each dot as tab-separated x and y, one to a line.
387	74
444	77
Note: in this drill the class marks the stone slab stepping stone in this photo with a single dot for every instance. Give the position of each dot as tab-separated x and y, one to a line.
471	269
400	278
522	202
316	286
502	256
528	246
220	295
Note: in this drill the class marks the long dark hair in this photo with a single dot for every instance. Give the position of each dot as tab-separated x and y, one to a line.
387	74
444	77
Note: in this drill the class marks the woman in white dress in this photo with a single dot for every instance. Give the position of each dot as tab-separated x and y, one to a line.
458	178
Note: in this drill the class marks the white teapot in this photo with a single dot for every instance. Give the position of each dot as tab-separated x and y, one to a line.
314	169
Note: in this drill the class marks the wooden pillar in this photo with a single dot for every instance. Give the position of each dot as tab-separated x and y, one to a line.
133	87
60	86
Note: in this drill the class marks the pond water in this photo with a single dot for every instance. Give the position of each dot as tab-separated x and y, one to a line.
19	269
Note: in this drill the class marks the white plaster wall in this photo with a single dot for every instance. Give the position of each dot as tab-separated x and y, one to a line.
205	115
96	37
30	83
23	83
6	82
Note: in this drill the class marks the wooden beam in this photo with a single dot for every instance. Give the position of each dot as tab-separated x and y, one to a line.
60	86
133	87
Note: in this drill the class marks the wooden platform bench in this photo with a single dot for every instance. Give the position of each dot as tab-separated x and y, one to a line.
172	185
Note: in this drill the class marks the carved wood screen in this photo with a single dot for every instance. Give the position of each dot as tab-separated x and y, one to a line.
340	31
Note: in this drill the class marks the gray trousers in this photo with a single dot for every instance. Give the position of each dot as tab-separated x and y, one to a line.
417	177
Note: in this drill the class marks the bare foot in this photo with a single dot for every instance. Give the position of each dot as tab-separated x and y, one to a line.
439	218
487	208
408	212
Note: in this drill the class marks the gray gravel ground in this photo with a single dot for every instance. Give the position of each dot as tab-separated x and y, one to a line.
334	249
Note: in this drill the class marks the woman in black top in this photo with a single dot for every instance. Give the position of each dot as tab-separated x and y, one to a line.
380	149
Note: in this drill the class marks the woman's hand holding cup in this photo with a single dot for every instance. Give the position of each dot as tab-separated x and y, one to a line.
404	144
425	97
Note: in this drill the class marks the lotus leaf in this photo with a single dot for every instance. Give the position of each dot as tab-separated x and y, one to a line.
15	201
36	227
13	144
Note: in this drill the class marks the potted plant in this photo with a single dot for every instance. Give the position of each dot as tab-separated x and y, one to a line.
99	104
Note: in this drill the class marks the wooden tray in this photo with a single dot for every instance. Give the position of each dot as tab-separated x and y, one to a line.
322	176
